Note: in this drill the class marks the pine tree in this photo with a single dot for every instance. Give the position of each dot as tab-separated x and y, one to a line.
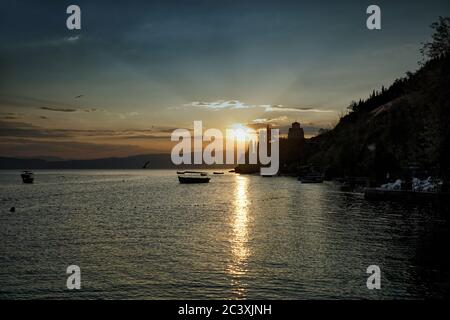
440	44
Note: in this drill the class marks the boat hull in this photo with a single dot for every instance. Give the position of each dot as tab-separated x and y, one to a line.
27	179
193	180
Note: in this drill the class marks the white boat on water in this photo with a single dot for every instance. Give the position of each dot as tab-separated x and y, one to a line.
191	177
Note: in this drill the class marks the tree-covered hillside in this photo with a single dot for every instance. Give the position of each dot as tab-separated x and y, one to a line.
404	125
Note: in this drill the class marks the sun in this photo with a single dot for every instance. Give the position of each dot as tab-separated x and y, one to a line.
240	132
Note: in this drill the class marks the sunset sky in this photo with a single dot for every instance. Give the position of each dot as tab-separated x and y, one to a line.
137	70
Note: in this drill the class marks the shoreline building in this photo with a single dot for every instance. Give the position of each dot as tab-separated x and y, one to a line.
296	132
291	151
292	148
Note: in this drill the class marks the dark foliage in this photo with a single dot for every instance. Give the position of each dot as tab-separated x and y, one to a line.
404	125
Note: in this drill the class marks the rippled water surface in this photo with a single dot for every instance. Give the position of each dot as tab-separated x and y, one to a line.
142	235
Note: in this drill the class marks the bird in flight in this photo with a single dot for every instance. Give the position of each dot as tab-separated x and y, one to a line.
80	96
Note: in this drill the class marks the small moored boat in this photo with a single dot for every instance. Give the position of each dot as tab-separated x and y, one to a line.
191	177
27	177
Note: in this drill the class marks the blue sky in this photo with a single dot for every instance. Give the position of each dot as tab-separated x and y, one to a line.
146	67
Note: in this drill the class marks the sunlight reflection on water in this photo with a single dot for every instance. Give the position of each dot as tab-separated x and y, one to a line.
139	234
239	248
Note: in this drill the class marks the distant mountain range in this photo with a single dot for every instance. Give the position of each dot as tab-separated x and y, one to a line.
153	161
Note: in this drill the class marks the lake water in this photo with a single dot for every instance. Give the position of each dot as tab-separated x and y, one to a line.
142	235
